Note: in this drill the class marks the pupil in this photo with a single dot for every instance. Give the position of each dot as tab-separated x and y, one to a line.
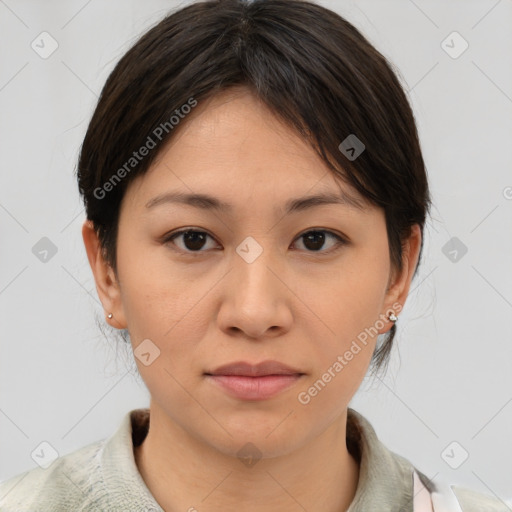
317	238
194	240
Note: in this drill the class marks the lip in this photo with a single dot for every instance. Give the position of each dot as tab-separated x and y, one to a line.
254	381
254	388
242	368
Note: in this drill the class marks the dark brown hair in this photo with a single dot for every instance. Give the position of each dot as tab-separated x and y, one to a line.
309	65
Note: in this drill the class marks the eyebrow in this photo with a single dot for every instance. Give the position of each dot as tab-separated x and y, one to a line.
299	204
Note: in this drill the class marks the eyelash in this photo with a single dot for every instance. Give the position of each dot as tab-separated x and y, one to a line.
171	236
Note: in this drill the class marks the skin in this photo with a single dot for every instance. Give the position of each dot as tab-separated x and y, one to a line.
292	304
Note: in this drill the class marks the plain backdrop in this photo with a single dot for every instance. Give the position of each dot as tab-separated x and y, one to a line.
448	392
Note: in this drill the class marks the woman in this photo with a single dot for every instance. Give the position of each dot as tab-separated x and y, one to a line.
255	196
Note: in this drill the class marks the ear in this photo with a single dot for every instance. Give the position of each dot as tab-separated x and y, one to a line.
107	285
400	283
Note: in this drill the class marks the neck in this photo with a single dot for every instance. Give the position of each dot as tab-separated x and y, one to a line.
185	473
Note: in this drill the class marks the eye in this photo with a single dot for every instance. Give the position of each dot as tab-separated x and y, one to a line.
315	239
194	240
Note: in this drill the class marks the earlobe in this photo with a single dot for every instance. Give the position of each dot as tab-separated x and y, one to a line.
399	289
104	277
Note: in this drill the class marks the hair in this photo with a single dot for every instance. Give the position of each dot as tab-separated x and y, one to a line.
310	66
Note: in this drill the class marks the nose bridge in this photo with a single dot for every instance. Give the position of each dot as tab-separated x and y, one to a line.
255	298
256	302
253	262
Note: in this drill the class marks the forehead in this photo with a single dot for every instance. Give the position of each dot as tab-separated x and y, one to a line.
233	146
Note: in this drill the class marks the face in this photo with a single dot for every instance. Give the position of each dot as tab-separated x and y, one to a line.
253	281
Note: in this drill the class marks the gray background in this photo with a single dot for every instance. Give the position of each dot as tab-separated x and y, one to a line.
450	378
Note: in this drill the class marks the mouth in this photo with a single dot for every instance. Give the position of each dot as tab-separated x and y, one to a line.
261	381
265	368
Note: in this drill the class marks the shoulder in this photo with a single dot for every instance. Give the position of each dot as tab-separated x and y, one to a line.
473	501
69	483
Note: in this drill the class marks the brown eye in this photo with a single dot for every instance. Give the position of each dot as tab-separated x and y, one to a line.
192	240
314	240
195	241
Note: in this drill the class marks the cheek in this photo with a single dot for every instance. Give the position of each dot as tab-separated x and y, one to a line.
348	305
169	308
343	346
158	304
168	313
350	299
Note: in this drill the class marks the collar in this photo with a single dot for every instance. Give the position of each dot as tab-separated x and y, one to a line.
385	478
123	483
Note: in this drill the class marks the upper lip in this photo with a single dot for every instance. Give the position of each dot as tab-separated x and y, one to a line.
255	370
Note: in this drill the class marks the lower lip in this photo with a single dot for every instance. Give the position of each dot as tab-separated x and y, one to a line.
255	388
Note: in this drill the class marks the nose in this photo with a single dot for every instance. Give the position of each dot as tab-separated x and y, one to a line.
256	297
